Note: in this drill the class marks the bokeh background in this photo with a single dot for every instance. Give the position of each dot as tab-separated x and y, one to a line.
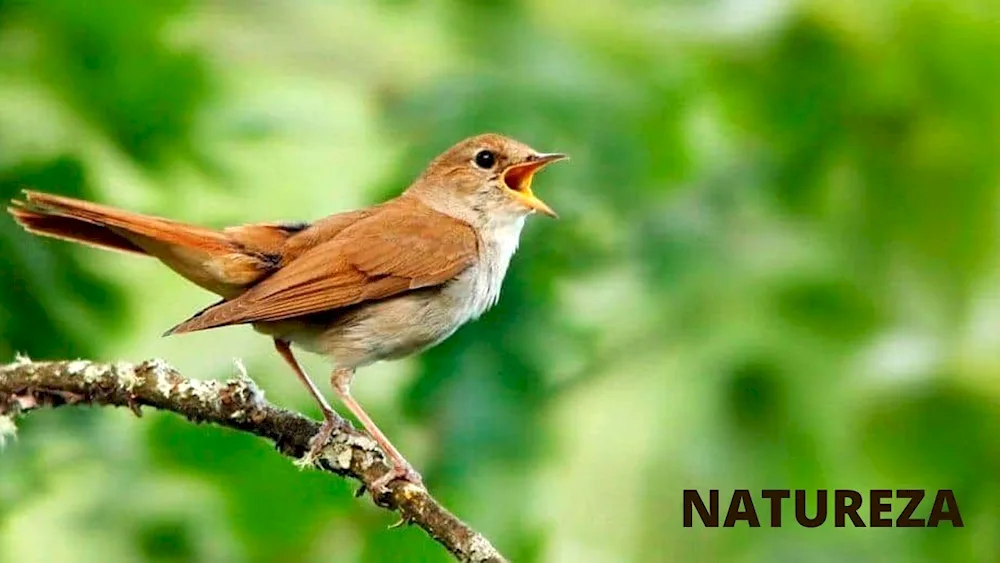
777	267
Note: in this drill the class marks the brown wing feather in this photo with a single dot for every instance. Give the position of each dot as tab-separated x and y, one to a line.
323	230
397	249
421	245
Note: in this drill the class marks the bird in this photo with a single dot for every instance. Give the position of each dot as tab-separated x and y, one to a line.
356	287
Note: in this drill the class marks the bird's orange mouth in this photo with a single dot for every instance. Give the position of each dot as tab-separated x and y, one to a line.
518	178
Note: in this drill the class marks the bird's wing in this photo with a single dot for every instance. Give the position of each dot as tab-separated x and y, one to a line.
394	250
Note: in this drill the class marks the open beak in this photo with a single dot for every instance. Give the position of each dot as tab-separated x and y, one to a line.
518	177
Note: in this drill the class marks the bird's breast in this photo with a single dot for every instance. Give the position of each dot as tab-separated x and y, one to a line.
480	284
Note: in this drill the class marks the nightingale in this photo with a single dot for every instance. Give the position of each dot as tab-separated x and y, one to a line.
357	287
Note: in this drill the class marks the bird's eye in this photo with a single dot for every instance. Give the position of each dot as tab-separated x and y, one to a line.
485	159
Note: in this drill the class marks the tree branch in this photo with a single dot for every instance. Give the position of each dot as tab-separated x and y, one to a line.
239	404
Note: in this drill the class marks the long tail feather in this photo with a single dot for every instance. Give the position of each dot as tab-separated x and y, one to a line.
211	259
163	231
71	229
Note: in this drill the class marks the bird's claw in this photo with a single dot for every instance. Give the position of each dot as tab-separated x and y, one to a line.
403	521
316	445
307	461
404	472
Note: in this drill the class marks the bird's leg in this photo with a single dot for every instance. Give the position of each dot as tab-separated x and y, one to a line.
401	469
330	417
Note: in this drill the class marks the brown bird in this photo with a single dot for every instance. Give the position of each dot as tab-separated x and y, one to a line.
357	287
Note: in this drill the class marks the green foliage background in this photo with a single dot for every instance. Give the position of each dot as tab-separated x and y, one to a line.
776	268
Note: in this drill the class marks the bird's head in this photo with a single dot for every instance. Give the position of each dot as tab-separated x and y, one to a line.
487	175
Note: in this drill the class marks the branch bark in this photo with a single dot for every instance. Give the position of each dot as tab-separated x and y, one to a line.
239	404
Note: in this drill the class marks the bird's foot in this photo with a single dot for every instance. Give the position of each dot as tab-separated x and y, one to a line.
402	471
316	444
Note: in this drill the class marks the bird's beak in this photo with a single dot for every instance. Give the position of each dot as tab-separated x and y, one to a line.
517	178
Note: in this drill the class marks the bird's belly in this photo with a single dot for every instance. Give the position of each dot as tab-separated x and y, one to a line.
392	328
384	330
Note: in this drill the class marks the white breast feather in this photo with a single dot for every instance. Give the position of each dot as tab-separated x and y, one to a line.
497	249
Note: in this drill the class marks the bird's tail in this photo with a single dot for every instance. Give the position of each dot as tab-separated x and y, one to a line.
212	259
105	227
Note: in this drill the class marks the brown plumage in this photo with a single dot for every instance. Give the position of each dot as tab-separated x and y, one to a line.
358	287
362	262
